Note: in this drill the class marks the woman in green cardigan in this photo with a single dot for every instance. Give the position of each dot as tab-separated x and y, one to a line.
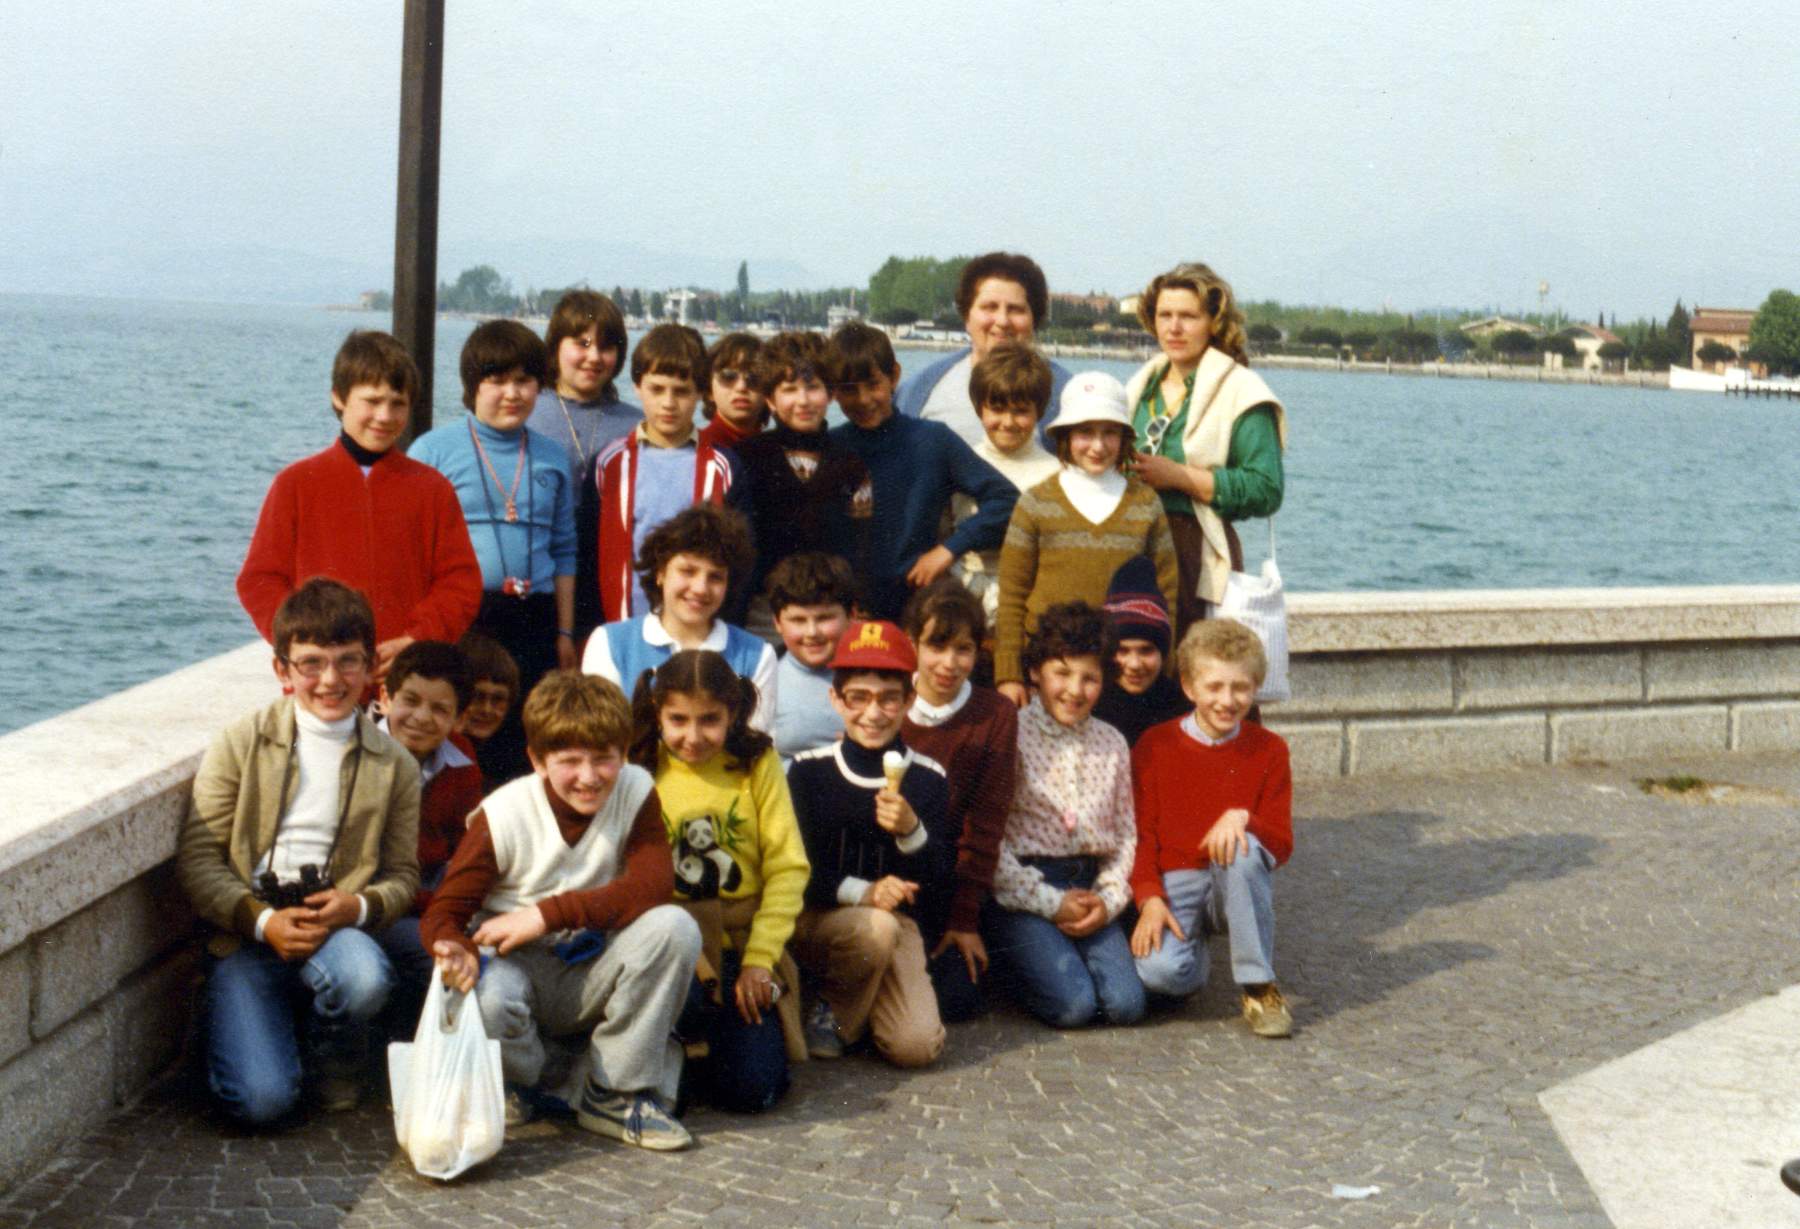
1209	433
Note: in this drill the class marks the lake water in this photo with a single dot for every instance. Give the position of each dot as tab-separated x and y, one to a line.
142	437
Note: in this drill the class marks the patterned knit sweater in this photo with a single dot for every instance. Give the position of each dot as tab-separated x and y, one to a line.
1054	554
1073	800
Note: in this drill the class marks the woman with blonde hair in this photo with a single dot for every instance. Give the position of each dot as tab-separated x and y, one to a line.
1209	432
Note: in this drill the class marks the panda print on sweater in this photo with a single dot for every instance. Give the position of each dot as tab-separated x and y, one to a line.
702	868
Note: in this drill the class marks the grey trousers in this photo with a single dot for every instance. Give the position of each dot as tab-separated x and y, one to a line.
626	1000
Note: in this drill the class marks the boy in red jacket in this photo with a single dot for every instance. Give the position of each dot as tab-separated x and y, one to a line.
364	513
1214	799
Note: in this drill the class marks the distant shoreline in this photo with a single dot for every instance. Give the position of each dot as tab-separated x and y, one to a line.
1534	374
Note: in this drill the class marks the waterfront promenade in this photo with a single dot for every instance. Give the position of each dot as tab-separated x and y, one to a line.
1493	976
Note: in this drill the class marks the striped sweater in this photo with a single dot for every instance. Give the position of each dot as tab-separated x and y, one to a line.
1054	554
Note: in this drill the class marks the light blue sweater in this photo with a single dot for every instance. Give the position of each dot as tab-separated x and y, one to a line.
540	545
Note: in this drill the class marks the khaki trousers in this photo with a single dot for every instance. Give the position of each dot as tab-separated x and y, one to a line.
870	964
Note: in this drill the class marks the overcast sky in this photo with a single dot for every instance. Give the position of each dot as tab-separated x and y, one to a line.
1417	153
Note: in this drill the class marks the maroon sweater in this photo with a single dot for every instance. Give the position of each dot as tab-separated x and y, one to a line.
444	810
979	749
646	879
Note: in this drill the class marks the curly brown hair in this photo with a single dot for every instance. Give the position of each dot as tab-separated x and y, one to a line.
1067	629
1215	295
1008	266
718	535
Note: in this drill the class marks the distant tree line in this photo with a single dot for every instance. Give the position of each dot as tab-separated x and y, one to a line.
922	289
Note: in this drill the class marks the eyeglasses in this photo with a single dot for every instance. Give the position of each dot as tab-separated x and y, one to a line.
731	375
859	698
313	667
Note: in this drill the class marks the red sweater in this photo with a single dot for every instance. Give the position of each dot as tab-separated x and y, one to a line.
1181	787
444	808
720	434
646	879
398	535
979	749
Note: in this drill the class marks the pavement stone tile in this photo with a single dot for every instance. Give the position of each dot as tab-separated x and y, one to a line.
1451	947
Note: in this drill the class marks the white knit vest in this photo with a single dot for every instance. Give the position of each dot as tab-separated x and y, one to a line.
533	859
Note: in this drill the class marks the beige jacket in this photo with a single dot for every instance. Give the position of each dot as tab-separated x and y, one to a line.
238	793
1224	391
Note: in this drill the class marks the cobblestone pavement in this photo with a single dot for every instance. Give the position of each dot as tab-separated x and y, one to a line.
1451	947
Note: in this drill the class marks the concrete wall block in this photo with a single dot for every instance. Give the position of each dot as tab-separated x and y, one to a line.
124	837
54	1092
1446	744
1720	671
1766	725
15	1002
1341	684
149	1019
81	960
1523	678
1625	734
1315	748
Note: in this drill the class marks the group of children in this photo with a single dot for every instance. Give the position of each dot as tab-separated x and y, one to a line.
667	859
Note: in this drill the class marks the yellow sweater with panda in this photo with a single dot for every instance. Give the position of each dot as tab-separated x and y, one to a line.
733	835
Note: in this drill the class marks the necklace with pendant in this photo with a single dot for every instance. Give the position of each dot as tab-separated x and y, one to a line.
574	435
512	505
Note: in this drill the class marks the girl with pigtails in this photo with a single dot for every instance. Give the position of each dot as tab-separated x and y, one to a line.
740	869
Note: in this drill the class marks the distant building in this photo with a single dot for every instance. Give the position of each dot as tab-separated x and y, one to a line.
1489	326
838	315
1728	326
1588	339
679	306
370	300
1102	305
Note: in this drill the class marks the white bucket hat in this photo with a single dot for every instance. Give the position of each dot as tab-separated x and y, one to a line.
1092	397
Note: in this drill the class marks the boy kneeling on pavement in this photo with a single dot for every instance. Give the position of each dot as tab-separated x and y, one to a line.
565	874
301	842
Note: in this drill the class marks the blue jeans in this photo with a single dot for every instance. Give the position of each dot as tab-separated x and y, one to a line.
253	999
1062	981
746	1069
1239	898
413	967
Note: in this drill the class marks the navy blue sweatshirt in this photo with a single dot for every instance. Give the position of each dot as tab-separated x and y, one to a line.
834	790
917	466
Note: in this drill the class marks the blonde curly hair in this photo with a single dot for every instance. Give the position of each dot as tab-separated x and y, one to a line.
1215	295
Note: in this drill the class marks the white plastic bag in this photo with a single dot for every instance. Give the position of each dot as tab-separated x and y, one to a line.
449	1105
1259	603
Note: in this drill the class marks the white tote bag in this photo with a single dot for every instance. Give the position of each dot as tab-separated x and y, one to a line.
1259	603
449	1105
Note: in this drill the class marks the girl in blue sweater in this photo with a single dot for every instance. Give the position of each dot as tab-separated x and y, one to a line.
687	565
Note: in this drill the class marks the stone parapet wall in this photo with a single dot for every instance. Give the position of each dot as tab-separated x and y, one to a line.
97	972
1437	682
96	968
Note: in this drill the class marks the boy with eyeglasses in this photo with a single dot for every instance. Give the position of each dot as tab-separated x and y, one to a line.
871	814
301	841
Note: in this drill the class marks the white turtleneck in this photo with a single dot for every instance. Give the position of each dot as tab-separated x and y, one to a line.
307	829
1190	726
1093	497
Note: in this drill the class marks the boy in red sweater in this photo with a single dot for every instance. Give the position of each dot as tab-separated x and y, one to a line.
1214	798
364	513
428	690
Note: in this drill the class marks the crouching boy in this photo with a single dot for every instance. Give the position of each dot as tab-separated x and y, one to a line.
565	873
301	840
872	815
1214	796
